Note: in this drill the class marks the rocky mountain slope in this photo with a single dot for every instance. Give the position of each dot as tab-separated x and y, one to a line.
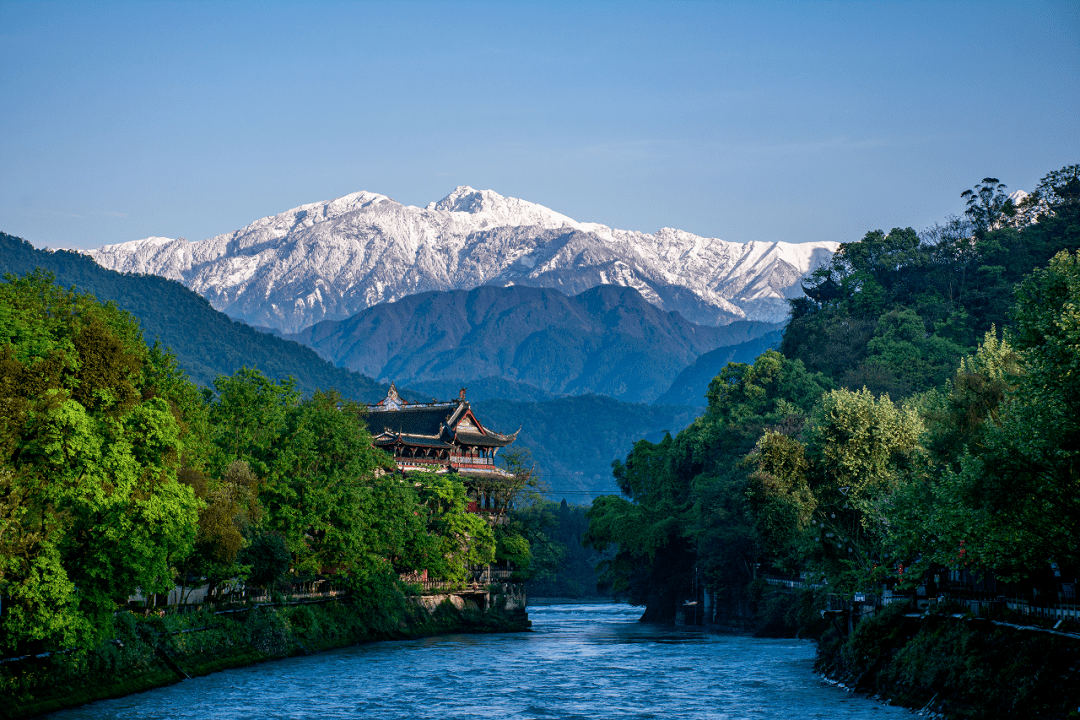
607	340
330	260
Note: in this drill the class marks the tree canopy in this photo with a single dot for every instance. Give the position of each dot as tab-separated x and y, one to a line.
922	412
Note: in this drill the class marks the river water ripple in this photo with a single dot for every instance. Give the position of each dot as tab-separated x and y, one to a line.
581	661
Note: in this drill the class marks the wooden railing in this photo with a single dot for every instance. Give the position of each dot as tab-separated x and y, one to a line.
478	583
792	583
446	586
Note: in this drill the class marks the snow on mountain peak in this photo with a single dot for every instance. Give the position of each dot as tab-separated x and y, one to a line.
331	259
466	199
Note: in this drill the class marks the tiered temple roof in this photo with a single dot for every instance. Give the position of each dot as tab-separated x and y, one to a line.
435	436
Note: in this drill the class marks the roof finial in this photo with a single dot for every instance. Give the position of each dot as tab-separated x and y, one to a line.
461	395
392	401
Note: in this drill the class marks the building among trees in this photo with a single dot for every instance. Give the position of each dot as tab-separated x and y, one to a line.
442	437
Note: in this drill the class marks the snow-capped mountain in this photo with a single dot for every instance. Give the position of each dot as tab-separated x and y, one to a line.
330	260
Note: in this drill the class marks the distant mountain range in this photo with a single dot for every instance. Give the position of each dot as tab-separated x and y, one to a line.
331	260
607	340
570	328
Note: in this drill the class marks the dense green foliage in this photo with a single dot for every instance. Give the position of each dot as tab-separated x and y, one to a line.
92	440
895	312
117	474
685	518
957	667
896	430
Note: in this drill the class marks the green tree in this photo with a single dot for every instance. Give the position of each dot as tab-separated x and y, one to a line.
229	513
1028	476
1002	492
686	519
988	205
825	502
88	459
459	539
248	412
318	492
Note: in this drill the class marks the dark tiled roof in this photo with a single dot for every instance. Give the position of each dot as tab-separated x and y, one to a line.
431	425
424	420
490	440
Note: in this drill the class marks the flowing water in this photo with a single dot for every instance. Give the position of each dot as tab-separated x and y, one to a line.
580	661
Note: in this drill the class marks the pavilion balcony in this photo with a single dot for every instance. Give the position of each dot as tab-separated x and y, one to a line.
466	460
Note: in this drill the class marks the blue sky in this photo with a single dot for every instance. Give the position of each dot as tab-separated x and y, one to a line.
744	121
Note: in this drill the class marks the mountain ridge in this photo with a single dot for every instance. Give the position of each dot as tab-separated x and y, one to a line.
206	342
331	259
606	340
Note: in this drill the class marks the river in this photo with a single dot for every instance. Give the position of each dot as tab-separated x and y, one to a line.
580	661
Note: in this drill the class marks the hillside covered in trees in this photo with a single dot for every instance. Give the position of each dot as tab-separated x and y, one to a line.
922	413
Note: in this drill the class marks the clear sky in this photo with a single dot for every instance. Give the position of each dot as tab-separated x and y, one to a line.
743	121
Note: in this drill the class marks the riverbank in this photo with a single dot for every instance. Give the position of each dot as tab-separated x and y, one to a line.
150	652
953	665
943	661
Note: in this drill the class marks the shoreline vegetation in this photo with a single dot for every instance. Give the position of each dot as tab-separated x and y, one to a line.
150	651
900	480
948	662
944	660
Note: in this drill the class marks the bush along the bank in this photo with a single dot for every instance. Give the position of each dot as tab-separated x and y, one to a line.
147	651
778	612
957	665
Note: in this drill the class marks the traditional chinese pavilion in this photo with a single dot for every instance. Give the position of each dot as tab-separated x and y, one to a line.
436	436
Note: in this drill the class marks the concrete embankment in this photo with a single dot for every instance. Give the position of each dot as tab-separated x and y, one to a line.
151	651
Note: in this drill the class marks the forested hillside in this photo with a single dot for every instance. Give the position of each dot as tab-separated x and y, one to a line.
206	343
574	439
923	412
